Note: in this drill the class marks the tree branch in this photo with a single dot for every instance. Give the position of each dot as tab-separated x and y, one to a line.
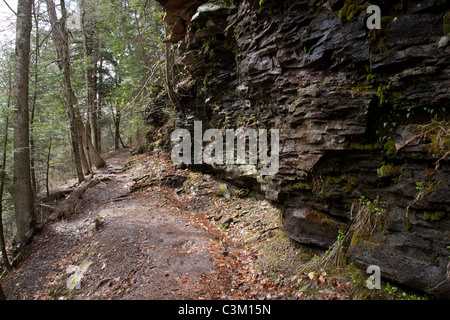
145	84
10	8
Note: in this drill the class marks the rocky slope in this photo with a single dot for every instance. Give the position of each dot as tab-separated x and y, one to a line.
361	115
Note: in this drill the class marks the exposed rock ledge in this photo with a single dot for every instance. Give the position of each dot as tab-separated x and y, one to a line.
346	100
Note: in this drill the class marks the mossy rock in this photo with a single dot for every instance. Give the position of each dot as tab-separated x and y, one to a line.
352	183
389	148
434	216
389	170
335	180
398	95
365	147
358	237
326	221
302	186
446	23
349	11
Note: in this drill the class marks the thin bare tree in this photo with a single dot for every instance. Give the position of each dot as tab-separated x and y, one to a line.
23	195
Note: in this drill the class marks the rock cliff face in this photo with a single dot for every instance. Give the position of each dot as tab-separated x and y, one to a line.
361	115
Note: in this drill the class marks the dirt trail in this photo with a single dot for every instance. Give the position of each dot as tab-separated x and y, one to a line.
149	230
123	245
133	247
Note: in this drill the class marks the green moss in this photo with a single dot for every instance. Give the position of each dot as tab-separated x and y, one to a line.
446	23
343	11
370	77
302	185
351	15
359	88
389	170
335	180
434	216
352	182
389	148
424	79
381	90
261	6
357	237
385	19
416	155
324	221
398	95
350	10
365	147
426	189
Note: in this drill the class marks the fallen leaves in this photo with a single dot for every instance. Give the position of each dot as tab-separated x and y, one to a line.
318	277
235	253
323	286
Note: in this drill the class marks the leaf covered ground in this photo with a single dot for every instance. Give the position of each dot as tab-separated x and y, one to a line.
149	230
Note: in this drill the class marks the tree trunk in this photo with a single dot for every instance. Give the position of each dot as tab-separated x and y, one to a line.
84	155
2	181
2	186
99	126
101	99
117	130
48	168
87	25
81	148
92	156
23	195
60	39
169	75
33	103
96	139
2	294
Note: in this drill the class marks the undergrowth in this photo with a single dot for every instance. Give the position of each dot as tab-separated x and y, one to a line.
367	217
437	133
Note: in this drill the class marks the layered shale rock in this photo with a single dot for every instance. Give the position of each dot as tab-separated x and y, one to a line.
360	112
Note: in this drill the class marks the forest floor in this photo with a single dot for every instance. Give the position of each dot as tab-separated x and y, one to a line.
148	230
